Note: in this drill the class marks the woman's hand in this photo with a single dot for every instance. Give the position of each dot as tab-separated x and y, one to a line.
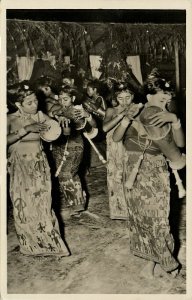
125	122
161	118
81	113
63	121
123	114
36	127
133	110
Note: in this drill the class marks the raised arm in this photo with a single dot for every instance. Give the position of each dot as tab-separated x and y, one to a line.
159	119
178	134
53	109
110	121
14	136
91	121
120	130
82	113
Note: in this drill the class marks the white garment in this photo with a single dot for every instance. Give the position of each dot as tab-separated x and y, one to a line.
134	63
66	60
25	67
95	63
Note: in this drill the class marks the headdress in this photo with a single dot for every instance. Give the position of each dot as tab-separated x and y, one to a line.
23	91
122	86
155	82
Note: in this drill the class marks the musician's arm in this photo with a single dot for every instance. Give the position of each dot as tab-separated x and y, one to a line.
161	118
11	137
120	130
178	134
53	109
110	122
15	136
91	121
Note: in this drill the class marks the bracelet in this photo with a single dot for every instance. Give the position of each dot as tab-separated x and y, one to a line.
21	132
89	118
176	125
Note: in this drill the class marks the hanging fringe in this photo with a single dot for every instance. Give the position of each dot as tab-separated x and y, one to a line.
179	184
133	175
63	159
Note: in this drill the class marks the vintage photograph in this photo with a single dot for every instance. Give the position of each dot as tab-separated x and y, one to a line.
96	151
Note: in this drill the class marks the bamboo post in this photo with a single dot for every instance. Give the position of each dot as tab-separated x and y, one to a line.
177	65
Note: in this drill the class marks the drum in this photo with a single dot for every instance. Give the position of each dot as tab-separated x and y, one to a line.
93	108
79	123
69	113
52	133
154	132
163	138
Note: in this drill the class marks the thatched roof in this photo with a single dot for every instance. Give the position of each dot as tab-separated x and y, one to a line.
26	37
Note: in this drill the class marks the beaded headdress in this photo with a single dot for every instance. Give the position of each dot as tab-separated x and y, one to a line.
155	83
23	92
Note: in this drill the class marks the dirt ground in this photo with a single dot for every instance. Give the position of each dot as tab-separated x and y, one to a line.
101	262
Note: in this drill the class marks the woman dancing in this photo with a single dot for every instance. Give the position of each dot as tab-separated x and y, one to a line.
30	184
115	152
148	201
68	153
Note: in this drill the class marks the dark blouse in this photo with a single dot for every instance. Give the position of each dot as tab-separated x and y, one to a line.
134	142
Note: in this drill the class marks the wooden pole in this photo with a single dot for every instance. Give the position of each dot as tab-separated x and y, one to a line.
177	66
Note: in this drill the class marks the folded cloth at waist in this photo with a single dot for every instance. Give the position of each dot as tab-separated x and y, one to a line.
150	161
138	146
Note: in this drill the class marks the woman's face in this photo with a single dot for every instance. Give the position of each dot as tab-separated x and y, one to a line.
29	104
161	99
124	98
46	90
65	99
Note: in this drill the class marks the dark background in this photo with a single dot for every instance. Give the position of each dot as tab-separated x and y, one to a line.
100	15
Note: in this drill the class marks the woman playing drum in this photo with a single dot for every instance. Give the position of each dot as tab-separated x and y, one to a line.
30	183
148	193
115	152
68	153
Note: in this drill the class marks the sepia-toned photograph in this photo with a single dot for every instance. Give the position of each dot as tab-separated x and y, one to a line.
95	151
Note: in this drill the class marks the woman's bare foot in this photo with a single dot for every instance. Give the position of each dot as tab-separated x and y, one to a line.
159	272
148	270
175	273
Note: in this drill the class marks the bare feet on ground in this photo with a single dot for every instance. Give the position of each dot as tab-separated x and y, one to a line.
160	273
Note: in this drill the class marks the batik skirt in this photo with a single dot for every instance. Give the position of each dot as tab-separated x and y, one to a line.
71	194
148	204
115	157
30	190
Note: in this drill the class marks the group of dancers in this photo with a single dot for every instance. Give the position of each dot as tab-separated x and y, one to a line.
137	167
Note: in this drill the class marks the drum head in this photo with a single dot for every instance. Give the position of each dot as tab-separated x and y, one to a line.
147	112
52	133
154	132
92	133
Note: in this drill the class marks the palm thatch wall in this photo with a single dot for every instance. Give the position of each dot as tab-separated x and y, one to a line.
162	44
